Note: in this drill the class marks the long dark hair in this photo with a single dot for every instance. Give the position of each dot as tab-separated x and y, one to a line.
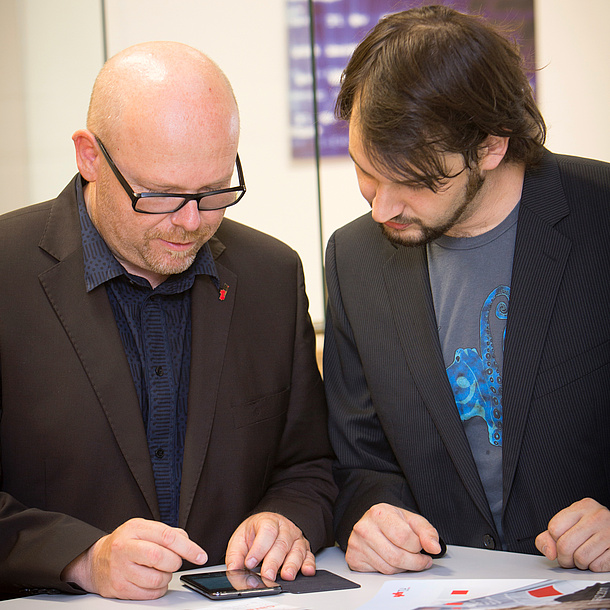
431	80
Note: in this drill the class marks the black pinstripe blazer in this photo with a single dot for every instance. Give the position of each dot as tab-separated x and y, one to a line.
393	421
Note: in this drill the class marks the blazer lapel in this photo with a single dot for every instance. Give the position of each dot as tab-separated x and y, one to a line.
408	285
90	325
541	253
211	318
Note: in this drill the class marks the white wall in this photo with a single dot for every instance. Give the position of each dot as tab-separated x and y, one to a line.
13	149
60	51
59	54
573	50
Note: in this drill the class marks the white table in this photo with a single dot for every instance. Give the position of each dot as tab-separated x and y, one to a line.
458	563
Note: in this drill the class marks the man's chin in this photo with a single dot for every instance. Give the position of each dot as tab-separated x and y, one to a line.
412	237
174	263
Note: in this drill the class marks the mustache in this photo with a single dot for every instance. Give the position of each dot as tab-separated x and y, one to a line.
405	220
178	235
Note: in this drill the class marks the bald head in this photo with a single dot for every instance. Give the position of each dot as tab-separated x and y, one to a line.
163	93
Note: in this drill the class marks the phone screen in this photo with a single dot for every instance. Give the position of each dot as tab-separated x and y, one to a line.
230	584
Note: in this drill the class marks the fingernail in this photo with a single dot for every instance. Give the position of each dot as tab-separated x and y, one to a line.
270	575
251	563
201	558
289	575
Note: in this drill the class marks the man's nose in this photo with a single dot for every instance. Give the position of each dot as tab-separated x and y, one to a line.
386	204
188	217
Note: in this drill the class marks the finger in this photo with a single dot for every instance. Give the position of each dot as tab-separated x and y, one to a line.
384	526
174	539
297	558
129	591
114	575
584	513
309	565
142	578
426	533
568	545
594	551
563	521
152	555
279	551
383	557
120	555
588	536
237	549
577	547
374	549
601	563
267	535
546	545
403	529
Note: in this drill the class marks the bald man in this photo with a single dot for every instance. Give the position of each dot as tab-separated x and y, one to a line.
161	405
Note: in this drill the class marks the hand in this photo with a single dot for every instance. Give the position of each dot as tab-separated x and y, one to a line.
388	539
136	561
578	536
274	540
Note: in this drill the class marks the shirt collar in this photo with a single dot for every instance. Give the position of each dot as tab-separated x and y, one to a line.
101	266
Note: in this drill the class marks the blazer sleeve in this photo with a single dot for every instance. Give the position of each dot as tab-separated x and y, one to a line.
301	486
36	545
365	468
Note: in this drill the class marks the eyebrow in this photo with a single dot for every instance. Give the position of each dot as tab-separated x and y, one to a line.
171	188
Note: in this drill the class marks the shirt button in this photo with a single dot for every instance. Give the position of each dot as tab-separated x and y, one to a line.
489	542
159	453
159	371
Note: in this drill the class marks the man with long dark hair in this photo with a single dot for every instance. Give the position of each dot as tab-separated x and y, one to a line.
466	351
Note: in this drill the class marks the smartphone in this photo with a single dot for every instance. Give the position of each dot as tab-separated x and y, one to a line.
230	584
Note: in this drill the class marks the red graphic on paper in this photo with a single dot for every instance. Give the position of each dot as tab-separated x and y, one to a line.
459	592
549	591
398	594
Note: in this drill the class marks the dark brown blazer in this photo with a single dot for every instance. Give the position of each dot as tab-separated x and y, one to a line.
393	420
74	456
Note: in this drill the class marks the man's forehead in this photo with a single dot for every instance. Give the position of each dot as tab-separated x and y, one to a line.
359	154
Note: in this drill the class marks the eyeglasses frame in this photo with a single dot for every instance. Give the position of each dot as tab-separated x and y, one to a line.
135	197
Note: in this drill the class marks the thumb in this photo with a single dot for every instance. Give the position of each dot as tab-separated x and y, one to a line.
546	545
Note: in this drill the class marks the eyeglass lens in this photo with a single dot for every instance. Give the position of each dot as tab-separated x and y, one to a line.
161	205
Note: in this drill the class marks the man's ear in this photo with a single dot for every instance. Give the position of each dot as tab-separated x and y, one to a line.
87	154
493	151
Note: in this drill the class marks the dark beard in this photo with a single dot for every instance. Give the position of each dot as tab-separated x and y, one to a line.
428	234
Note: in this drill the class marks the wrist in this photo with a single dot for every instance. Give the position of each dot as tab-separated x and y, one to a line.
78	572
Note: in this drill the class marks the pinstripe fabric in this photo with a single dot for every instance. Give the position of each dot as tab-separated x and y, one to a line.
393	422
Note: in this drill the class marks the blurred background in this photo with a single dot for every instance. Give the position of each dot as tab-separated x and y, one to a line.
301	184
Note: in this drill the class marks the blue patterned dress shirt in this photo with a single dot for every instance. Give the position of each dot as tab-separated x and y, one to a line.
155	327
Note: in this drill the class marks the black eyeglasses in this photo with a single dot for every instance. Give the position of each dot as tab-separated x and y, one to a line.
165	203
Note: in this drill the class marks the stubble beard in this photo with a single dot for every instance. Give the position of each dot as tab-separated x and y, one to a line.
428	233
168	262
